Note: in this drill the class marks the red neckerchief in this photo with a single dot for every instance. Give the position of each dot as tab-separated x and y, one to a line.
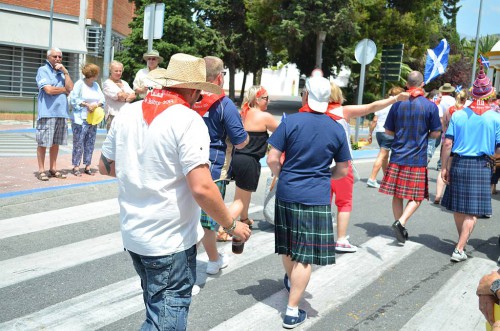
157	101
207	100
453	109
307	109
415	91
480	108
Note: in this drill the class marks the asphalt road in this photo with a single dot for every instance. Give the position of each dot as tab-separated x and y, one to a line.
62	267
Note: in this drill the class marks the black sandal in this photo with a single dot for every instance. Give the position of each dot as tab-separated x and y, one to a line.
89	172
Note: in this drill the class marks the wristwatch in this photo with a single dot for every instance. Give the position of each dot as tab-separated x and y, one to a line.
495	286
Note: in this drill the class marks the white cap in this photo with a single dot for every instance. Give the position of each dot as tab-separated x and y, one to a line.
318	90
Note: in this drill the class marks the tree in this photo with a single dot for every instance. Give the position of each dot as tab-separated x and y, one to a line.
450	11
227	18
296	24
181	34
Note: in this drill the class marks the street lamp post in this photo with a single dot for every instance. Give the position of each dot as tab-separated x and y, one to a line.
319	48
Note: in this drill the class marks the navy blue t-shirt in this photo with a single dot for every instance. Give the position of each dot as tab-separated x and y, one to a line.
226	130
310	142
411	121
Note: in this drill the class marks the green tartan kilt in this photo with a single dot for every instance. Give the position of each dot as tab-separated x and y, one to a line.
305	233
208	222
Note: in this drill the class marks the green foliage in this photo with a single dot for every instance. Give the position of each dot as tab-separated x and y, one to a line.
296	24
180	34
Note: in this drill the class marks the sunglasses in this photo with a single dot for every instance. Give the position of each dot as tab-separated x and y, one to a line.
57	56
223	73
265	98
152	59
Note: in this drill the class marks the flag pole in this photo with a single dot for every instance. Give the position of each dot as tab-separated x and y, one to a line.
477	43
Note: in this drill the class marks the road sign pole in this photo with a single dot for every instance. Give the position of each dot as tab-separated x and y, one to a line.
151	27
361	86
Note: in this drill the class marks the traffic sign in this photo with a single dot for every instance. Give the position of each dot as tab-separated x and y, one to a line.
390	67
365	51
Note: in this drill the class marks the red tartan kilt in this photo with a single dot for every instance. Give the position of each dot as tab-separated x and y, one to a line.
405	182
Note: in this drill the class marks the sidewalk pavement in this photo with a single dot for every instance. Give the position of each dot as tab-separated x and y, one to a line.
19	175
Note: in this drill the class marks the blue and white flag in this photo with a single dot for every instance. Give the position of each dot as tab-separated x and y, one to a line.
458	89
484	61
437	61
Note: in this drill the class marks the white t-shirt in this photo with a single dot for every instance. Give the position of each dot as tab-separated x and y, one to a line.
446	102
141	81
111	90
158	213
381	117
339	111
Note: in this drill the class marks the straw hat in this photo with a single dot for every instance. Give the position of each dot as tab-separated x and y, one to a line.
447	88
96	116
152	53
184	71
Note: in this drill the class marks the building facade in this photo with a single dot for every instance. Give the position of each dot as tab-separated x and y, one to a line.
78	28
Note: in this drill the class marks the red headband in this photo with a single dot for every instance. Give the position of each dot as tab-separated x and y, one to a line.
260	92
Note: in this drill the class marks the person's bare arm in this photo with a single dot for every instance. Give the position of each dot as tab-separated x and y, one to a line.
208	197
353	111
435	134
373	124
52	90
271	122
107	166
486	298
340	170
273	161
445	160
390	133
68	83
243	144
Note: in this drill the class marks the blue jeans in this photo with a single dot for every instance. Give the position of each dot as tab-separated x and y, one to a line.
166	283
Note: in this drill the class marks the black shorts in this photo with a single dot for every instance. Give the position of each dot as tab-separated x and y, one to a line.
246	172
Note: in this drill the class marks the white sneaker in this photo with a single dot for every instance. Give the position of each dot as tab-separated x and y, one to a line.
458	256
196	289
214	267
372	183
345	246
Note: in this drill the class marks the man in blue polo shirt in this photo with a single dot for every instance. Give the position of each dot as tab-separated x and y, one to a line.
411	123
226	133
54	84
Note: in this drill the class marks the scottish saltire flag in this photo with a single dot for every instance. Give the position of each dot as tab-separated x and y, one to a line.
458	89
484	61
437	61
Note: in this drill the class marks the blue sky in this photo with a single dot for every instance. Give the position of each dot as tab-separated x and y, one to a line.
468	16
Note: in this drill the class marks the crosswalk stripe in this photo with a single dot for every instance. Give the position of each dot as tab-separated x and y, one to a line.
17	226
106	305
50	219
45	262
450	308
329	285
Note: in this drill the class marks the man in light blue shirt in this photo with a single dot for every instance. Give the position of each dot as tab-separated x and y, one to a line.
54	84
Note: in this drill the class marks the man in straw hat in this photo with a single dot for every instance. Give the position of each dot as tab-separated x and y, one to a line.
140	85
411	123
473	137
226	133
158	149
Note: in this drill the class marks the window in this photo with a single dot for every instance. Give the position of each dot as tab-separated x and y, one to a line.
19	65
